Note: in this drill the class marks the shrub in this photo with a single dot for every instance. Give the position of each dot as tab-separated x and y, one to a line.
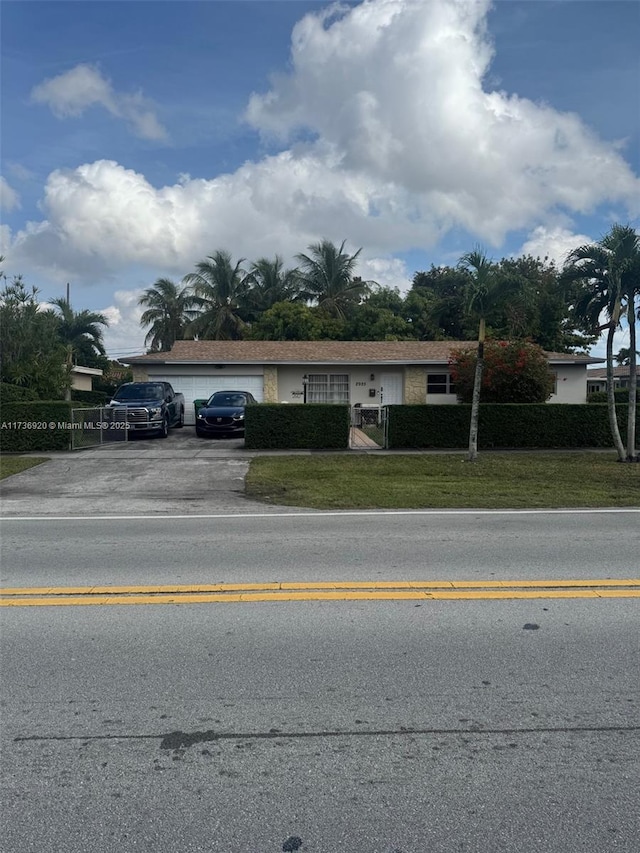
541	425
18	434
13	393
89	398
311	425
514	372
621	395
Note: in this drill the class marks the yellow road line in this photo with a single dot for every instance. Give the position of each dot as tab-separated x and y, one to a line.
320	585
373	592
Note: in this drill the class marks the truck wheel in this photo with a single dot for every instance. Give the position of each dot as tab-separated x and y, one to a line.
180	423
164	432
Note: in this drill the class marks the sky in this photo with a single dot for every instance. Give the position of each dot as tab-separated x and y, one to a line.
140	136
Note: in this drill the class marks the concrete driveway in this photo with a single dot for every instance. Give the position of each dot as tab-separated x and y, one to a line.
182	474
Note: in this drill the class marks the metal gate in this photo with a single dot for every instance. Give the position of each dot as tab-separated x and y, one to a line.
368	427
96	426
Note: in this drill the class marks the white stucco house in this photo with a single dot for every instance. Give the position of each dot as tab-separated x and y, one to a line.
82	377
365	373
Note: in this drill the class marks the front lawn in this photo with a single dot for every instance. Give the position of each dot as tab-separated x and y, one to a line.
15	464
496	480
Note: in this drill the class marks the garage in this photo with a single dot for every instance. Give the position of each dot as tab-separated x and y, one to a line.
202	387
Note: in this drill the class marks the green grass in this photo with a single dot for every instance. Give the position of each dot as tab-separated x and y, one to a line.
10	465
496	480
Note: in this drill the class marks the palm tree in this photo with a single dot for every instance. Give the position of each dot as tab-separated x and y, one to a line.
81	332
81	335
623	356
271	284
220	291
169	310
327	279
609	271
486	291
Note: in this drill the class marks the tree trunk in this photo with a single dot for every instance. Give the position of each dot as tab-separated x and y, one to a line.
475	401
631	422
611	398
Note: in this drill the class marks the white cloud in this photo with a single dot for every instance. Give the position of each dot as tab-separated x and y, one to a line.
554	243
124	335
408	145
396	86
71	93
9	198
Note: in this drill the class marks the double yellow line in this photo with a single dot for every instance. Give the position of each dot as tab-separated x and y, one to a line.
321	591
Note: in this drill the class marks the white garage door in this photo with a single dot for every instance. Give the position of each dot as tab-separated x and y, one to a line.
202	387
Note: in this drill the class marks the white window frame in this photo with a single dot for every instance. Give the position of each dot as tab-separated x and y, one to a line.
328	388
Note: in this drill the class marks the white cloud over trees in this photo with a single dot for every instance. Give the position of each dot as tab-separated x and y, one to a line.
403	141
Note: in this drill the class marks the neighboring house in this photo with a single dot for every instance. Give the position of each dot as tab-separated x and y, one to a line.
365	373
82	377
597	379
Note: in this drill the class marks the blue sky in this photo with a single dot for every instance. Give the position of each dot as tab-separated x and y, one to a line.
137	137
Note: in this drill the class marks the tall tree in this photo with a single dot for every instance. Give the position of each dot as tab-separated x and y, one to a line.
169	311
608	272
270	283
31	354
81	333
623	356
221	293
485	291
327	274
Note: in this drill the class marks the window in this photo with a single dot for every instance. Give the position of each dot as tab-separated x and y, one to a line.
328	388
440	383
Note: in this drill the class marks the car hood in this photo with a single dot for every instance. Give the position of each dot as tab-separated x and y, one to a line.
220	411
147	404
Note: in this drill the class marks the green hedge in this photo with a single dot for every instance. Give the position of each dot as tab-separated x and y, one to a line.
504	425
90	399
13	393
291	426
621	395
16	439
198	404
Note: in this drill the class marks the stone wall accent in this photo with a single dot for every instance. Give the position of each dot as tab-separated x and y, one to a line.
415	385
270	384
140	373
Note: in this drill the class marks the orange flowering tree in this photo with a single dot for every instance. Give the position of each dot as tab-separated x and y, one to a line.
514	372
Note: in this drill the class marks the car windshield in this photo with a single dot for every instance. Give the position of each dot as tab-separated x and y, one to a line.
139	391
224	398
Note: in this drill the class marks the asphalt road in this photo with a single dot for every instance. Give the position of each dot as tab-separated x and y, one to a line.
318	546
374	727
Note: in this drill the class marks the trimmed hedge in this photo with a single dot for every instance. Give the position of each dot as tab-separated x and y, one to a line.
90	399
16	439
505	425
297	425
13	393
621	395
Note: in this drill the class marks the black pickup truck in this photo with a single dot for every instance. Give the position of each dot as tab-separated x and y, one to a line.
150	406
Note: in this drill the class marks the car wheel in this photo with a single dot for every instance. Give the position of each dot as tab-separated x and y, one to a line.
164	431
180	423
200	433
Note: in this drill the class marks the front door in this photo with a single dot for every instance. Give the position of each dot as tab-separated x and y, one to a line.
390	389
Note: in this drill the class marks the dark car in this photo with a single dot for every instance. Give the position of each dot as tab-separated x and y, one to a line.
223	413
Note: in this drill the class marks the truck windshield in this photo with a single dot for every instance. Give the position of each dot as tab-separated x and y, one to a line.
140	391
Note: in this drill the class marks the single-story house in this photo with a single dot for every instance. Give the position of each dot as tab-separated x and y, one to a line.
82	377
364	373
597	378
